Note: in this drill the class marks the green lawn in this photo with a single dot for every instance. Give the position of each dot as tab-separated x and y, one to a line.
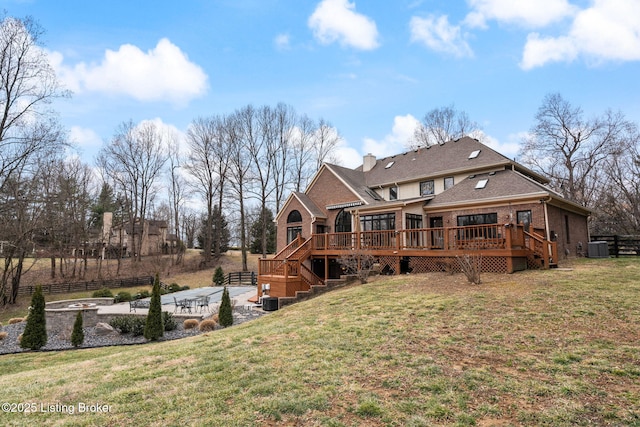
559	347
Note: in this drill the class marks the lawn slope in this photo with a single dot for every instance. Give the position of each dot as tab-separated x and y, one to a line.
556	347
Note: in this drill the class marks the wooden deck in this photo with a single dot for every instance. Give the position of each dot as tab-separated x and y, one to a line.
504	248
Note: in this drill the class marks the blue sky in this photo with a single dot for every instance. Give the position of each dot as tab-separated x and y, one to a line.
370	68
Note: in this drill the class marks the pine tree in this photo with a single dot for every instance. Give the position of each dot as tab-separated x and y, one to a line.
154	327
77	336
35	332
218	277
225	314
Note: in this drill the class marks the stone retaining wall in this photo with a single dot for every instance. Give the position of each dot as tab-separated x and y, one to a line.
60	317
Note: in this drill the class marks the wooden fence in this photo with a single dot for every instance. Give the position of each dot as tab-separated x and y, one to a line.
56	288
241	278
620	245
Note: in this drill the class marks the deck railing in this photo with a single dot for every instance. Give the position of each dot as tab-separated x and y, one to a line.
468	238
475	237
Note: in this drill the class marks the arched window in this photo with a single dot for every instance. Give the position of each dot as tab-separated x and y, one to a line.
293	231
343	222
294	216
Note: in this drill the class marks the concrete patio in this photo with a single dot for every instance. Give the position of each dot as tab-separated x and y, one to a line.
238	294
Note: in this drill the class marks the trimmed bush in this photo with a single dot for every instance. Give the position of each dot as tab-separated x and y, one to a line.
218	277
77	336
174	287
225	312
170	323
154	328
15	320
190	323
3	335
207	325
184	288
122	296
35	332
102	293
129	324
142	294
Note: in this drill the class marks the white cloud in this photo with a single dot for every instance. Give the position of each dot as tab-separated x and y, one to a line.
84	137
282	41
608	30
163	73
509	149
538	51
395	142
336	20
437	34
526	13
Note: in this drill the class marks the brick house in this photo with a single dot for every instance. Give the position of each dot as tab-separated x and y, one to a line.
417	211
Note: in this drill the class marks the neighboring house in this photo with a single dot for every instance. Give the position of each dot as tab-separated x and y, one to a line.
417	211
154	235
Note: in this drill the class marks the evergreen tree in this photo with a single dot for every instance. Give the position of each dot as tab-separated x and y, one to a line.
105	203
77	336
154	327
256	233
218	277
225	314
35	332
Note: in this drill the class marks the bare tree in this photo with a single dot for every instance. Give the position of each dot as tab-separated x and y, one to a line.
285	121
177	195
571	149
617	210
134	159
325	141
302	153
240	173
28	132
441	125
208	163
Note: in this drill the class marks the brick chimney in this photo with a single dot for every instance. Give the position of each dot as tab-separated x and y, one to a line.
368	162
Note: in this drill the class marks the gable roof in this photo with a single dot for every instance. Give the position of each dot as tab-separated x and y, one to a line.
306	202
439	160
501	186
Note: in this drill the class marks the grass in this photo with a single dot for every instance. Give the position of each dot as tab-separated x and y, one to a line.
556	348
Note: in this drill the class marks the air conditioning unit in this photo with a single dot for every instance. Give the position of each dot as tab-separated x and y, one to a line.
269	303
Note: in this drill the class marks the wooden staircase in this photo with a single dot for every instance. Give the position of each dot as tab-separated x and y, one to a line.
543	253
288	264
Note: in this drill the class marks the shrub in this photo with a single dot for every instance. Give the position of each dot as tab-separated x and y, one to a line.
225	313
216	318
3	335
15	320
137	326
184	288
102	293
154	328
207	325
218	277
170	323
35	332
142	294
190	323
129	324
174	287
123	296
77	336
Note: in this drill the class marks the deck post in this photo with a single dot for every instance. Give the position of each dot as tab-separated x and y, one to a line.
508	236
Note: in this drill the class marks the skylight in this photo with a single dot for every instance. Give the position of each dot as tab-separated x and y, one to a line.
474	154
389	164
481	184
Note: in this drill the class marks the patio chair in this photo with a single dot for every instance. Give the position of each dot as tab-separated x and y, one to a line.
203	303
183	304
